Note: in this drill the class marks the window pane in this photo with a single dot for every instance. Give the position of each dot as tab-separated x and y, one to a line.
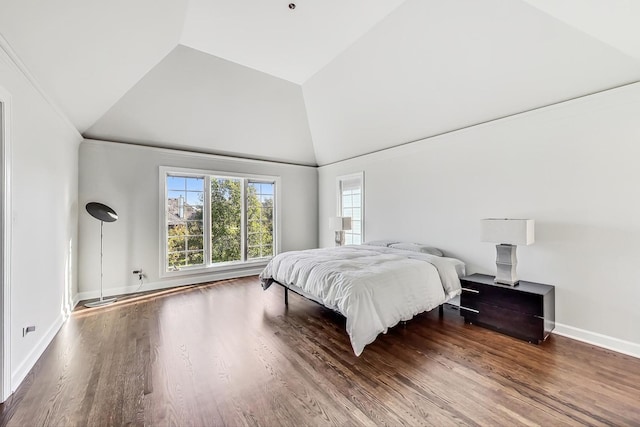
260	204
195	243
176	244
176	183
184	220
195	198
176	260
194	258
226	217
174	194
254	239
253	252
195	184
350	198
195	228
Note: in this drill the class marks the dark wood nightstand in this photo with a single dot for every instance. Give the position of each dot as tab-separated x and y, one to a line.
525	311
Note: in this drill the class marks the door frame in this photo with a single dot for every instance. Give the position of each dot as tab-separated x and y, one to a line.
5	244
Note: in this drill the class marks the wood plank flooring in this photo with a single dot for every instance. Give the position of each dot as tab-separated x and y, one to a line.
231	354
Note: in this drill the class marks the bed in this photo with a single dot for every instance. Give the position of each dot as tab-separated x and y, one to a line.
374	287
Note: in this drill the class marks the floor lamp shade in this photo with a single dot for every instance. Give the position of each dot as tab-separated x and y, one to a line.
103	213
507	233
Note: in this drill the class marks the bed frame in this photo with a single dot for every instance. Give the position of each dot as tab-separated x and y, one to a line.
286	300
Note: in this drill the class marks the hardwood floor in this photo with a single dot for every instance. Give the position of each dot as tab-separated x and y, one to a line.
229	353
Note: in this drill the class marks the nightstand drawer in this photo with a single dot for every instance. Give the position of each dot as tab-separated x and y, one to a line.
505	297
519	325
526	311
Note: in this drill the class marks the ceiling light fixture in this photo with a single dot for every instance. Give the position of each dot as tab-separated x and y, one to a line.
292	6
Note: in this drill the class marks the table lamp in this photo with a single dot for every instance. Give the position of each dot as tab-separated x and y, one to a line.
340	224
508	233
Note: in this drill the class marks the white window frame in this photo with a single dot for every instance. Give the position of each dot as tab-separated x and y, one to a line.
164	171
359	176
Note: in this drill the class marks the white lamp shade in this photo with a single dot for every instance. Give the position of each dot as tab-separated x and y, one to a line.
508	231
340	223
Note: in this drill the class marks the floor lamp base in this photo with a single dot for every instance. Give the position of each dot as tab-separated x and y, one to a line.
101	302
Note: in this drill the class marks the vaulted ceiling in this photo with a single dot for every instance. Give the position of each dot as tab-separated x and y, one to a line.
319	83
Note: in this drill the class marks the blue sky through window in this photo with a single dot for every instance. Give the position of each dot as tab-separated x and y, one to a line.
189	187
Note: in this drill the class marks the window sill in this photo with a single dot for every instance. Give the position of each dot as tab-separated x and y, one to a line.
238	266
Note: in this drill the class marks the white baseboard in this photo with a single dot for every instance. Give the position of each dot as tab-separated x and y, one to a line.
621	346
167	283
20	373
75	300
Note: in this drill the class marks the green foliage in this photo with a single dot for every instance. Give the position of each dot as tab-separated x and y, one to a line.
185	244
186	241
259	225
226	220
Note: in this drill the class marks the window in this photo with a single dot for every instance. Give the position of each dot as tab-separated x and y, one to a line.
212	220
260	219
351	204
185	221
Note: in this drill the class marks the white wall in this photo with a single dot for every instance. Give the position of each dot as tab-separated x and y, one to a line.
44	169
126	177
572	167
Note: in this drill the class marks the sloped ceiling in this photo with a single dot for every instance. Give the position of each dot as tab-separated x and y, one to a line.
370	74
434	66
204	103
270	37
615	22
86	54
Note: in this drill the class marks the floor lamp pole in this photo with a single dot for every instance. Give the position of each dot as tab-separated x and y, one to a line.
101	301
101	257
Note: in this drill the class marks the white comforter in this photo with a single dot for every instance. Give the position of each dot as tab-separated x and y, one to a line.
373	287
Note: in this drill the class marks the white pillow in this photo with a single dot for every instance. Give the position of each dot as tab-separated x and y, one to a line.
381	242
416	247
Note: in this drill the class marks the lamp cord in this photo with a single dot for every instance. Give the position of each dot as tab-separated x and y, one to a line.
140	278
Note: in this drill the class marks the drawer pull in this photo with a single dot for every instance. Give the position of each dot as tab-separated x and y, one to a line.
473	291
469	309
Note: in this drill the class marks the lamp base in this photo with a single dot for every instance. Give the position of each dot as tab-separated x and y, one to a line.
504	282
100	302
339	238
506	263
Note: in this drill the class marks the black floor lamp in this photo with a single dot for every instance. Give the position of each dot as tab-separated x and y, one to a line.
105	214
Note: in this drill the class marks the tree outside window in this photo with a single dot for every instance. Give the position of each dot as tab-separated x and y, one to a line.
240	212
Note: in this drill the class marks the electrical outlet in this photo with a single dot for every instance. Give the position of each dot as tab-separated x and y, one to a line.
28	329
139	272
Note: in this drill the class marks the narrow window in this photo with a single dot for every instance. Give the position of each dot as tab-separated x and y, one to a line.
226	219
351	204
185	227
260	196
